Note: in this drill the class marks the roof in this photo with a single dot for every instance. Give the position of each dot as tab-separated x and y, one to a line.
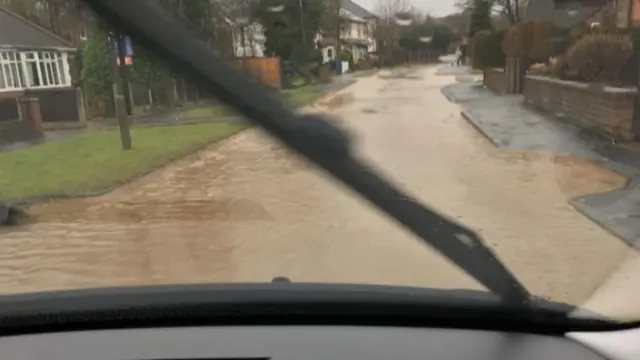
348	15
18	32
357	10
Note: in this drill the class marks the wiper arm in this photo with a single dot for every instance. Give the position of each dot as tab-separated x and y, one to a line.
310	135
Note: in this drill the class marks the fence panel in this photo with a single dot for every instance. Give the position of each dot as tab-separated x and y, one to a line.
264	69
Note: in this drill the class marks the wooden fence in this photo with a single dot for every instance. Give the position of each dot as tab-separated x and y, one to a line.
264	69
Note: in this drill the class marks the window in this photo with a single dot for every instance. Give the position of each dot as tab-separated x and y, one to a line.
21	70
11	71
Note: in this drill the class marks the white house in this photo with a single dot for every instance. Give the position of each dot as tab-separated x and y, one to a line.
356	33
248	38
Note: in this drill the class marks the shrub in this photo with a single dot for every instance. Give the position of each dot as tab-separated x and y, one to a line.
346	55
486	50
464	49
364	63
325	73
540	69
533	39
599	57
97	76
559	67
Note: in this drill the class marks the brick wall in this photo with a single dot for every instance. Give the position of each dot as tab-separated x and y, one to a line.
57	105
17	131
26	127
604	109
9	110
496	80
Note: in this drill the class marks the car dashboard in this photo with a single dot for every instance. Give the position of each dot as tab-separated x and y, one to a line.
301	342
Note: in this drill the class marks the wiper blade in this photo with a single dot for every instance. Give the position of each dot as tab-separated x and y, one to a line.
310	135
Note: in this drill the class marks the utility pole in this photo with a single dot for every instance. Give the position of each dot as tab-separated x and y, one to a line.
635	35
338	40
302	31
120	96
122	71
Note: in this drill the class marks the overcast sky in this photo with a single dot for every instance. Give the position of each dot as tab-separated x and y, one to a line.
436	7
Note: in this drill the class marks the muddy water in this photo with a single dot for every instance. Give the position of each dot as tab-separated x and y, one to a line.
247	210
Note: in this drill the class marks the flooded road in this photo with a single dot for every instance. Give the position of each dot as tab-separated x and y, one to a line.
247	210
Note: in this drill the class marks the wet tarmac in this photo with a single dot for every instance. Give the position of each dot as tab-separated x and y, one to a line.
248	210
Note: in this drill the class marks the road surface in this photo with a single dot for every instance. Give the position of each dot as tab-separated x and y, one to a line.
248	210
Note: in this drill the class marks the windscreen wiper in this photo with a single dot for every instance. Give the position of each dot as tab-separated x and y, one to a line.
310	135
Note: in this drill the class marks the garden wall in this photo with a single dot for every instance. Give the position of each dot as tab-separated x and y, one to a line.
605	109
496	80
26	125
57	105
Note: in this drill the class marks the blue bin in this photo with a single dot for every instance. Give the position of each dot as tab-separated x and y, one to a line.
336	66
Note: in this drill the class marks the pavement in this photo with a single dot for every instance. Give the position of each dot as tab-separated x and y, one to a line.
247	210
506	122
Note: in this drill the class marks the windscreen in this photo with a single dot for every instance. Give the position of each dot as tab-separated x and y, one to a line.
516	120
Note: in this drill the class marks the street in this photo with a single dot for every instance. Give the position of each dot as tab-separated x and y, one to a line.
248	210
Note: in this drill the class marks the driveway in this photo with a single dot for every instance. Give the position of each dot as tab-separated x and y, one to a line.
248	210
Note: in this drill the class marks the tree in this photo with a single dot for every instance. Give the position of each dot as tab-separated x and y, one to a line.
486	47
442	37
290	34
62	17
388	32
507	9
458	22
97	74
480	17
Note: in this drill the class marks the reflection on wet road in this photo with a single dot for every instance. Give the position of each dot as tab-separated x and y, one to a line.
247	210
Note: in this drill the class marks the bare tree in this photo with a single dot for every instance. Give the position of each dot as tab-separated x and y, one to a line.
387	31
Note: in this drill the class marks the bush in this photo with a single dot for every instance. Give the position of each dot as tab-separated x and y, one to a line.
559	67
97	76
533	39
540	69
324	73
486	50
364	64
601	58
346	55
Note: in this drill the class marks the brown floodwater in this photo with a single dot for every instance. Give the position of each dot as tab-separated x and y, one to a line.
248	210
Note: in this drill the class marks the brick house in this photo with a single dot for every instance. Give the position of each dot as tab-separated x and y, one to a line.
35	63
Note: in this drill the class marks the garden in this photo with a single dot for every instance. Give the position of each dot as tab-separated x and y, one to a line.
586	75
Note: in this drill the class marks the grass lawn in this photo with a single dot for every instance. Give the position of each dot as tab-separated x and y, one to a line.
301	96
95	161
205	111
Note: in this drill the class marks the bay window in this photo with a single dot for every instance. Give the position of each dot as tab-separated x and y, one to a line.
33	69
